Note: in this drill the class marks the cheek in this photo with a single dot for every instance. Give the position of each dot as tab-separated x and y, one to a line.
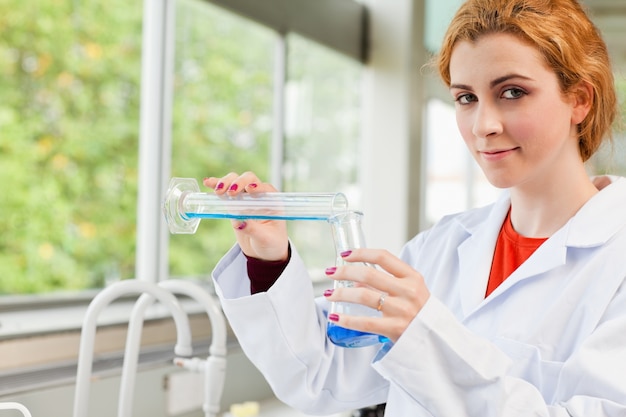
524	128
534	129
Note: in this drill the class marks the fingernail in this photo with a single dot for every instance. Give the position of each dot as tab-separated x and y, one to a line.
333	317
253	185
233	187
345	253
331	270
242	226
328	293
219	186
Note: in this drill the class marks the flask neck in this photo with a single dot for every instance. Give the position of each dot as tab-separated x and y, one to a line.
347	231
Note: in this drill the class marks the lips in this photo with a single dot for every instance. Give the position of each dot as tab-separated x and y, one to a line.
497	154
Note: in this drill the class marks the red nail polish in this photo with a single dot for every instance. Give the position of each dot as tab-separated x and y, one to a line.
241	226
328	293
253	185
345	253
333	317
219	186
233	187
331	270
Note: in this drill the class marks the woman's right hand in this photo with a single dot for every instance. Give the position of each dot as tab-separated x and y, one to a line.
262	239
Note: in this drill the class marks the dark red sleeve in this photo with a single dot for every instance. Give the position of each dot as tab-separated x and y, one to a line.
263	274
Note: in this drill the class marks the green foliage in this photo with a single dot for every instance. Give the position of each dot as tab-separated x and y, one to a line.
68	142
69	129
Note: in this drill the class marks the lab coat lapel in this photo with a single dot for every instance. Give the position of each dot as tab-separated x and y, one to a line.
551	254
476	253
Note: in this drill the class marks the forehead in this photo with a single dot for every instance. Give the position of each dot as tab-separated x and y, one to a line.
494	54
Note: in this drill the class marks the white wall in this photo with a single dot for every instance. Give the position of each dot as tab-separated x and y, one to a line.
392	123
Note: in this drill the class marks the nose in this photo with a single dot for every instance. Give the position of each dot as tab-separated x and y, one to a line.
487	121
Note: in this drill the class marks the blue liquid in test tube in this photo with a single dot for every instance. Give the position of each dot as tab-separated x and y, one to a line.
191	215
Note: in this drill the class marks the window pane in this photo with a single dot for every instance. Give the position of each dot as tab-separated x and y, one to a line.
438	16
611	158
322	120
222	115
69	118
454	181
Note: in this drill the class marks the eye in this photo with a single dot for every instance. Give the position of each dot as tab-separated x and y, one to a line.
513	93
464	99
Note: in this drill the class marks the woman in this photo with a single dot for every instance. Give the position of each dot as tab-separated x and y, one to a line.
515	309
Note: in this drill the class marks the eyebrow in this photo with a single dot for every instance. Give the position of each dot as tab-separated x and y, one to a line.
493	83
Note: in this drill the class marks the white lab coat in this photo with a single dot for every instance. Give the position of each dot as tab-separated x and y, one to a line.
550	341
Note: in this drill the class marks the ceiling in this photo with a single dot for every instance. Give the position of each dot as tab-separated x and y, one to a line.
610	17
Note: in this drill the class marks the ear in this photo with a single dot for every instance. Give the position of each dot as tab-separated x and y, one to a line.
582	100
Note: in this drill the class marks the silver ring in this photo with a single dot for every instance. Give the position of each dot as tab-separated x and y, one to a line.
381	302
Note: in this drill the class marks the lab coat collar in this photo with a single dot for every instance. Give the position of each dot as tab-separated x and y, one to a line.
593	225
600	218
605	211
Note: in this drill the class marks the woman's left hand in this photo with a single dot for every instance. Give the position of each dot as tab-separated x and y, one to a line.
404	291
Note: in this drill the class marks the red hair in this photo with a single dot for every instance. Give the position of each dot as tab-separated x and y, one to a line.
564	35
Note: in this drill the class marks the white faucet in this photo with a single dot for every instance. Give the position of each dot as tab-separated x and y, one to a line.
214	367
87	340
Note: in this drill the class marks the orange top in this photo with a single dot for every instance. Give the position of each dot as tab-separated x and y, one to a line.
512	249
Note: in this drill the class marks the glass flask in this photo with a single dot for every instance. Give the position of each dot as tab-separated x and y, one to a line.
348	234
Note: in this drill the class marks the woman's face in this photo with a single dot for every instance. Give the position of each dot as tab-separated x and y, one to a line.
510	110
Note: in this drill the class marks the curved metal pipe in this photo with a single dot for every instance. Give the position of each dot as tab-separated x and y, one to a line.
213	367
15	406
88	333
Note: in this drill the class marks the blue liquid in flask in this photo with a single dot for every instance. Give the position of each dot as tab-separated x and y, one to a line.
349	338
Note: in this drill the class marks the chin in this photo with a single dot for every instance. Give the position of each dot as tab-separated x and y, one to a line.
500	181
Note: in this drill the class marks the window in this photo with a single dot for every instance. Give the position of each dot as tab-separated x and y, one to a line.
70	122
611	158
222	114
322	119
454	181
69	125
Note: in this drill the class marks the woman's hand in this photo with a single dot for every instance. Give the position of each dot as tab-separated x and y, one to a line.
404	290
261	239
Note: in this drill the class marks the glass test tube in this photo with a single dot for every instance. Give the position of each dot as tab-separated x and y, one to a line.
185	206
